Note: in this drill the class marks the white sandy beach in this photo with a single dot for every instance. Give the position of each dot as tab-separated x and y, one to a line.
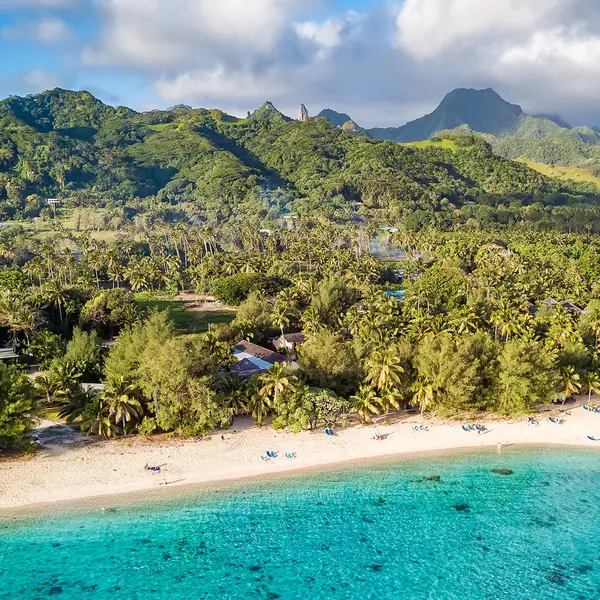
60	471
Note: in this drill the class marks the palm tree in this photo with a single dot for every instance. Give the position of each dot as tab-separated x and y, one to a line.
423	394
258	406
366	403
76	405
96	418
235	390
57	296
47	385
67	376
592	382
388	399
570	381
384	368
18	317
507	321
281	316
275	383
122	405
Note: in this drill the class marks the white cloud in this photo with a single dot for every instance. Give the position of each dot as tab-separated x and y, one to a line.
218	83
37	80
579	51
389	64
325	34
51	30
154	34
427	28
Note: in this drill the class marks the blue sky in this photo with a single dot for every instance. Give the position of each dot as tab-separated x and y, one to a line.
381	61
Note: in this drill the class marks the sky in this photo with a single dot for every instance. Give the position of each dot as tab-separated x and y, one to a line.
383	62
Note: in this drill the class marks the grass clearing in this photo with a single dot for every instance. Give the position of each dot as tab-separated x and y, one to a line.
564	173
186	320
444	144
50	413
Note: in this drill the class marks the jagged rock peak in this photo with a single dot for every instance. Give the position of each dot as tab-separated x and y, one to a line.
303	113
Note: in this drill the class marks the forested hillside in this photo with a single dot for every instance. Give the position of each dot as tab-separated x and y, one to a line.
217	167
511	132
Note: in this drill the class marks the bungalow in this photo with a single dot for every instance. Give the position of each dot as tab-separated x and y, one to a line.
552	303
288	341
253	359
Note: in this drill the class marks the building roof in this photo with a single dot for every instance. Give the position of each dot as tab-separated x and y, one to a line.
294	338
245	368
571	307
568	305
550	302
261	357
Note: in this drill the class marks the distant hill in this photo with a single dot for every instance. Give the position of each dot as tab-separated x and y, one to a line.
267	112
511	132
337	119
69	145
482	110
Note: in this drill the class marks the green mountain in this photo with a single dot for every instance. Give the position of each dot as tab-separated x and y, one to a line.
337	119
207	163
268	113
511	132
482	110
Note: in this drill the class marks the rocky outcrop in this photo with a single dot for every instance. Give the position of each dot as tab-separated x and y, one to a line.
302	113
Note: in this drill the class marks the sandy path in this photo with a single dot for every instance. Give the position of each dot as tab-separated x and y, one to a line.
63	472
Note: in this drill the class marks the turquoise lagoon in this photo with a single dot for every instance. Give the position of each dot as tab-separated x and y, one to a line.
428	528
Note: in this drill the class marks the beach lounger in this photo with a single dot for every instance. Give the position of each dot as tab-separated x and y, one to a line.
265	458
471	428
593	439
586	407
465	428
424	428
416	428
290	455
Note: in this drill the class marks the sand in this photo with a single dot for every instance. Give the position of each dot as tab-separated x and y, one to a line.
67	468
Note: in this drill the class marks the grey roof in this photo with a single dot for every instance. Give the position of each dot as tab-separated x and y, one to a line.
294	338
571	307
550	302
262	353
245	369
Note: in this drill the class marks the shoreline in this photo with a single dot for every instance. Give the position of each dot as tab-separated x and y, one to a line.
87	473
141	496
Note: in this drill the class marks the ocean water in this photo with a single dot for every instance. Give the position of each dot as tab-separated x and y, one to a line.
430	528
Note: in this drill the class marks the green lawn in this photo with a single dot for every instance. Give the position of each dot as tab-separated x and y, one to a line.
186	321
50	413
444	144
573	173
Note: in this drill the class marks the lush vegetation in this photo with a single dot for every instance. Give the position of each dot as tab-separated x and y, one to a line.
290	223
113	166
472	334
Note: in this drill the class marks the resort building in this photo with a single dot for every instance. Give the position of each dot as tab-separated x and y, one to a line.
253	359
552	303
289	341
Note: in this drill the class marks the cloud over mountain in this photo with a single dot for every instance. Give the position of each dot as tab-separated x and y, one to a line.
384	62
